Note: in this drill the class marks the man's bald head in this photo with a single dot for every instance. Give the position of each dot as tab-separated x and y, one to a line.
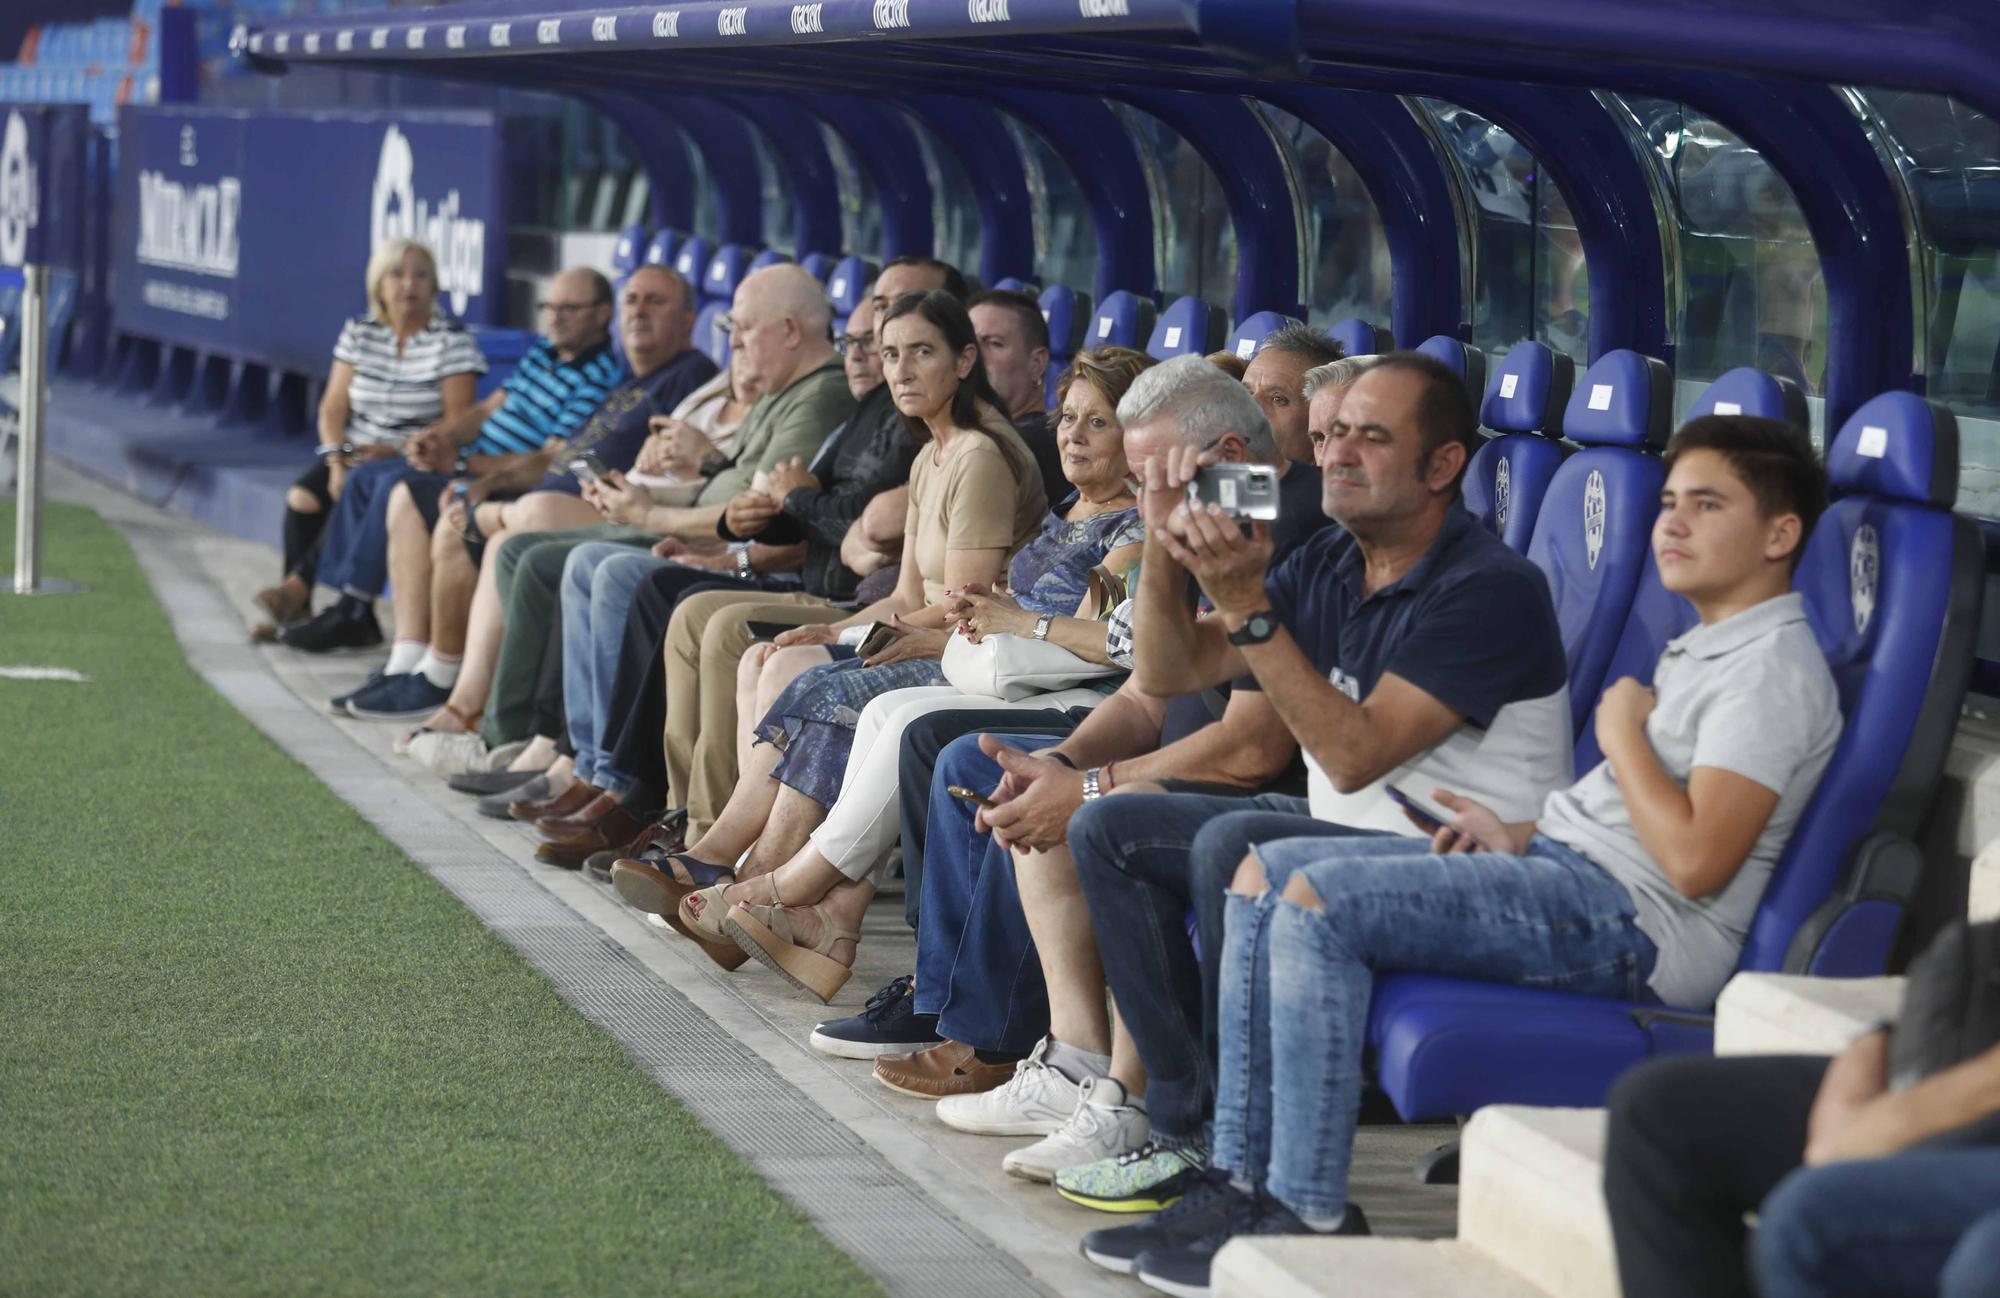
781	319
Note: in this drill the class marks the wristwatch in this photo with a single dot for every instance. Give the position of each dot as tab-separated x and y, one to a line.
1042	625
743	563
1092	784
1256	629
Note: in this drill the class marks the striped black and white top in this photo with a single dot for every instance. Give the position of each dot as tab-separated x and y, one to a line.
395	395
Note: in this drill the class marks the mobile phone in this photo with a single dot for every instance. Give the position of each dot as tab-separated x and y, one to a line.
879	637
767	630
1426	819
1247	491
960	791
461	489
586	467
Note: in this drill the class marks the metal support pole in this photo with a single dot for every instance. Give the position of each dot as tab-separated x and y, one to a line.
34	409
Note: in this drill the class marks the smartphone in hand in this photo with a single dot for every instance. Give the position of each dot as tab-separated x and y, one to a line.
1425	818
967	795
1245	491
586	467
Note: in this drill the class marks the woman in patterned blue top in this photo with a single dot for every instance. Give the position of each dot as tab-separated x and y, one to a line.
807	757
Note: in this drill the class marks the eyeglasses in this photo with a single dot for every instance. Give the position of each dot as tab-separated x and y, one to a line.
725	324
854	344
566	308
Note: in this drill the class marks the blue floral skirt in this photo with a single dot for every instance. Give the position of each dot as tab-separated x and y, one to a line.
813	721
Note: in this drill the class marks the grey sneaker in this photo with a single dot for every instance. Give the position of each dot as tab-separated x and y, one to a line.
494	806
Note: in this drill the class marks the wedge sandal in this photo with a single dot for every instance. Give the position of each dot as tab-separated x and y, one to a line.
765	934
648	886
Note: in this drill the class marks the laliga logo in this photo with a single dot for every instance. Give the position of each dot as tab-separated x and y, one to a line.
17	193
394	211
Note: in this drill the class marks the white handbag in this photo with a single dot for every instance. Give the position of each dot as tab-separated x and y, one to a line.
1015	667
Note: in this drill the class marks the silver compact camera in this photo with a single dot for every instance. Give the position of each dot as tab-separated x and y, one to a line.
1247	491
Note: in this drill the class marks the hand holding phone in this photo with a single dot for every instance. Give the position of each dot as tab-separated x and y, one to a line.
1245	491
967	795
1423	818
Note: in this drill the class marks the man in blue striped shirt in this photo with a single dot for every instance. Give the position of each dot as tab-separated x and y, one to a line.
554	389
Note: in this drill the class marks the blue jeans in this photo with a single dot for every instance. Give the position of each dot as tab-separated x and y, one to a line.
1297	980
354	554
977	968
1144	860
1918	1223
598	581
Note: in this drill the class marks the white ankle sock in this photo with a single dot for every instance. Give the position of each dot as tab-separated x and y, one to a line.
404	657
1077	1064
439	670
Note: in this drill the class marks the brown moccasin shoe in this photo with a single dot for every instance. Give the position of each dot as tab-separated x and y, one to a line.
948	1068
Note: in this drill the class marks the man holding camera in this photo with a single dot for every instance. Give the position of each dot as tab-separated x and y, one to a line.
1405	650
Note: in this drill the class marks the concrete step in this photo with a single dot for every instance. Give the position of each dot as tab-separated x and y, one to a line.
1531	1198
1295	1267
1982	899
1788	1014
1531	1221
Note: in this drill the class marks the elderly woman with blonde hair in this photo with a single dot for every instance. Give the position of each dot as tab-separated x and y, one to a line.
398	369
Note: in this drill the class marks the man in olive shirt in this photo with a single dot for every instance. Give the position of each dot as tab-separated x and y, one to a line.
780	326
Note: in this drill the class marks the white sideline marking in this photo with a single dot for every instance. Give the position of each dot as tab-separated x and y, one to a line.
42	674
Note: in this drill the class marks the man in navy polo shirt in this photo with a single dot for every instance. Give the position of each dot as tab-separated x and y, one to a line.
1408	648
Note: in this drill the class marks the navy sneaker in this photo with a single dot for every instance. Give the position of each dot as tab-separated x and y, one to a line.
338	703
887	1025
1211	1207
398	698
1184	1271
333	630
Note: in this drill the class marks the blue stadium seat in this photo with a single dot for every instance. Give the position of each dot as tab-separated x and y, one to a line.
1068	315
1748	391
1012	284
1359	338
691	259
1122	319
1508	476
1465	359
1188	327
1254	329
1891	579
726	269
1594	527
629	251
664	247
709	338
819	265
768	257
847	287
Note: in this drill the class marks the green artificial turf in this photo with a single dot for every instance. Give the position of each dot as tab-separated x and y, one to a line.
247	1047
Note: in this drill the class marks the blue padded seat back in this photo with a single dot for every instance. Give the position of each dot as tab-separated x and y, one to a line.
1253	330
1878	581
846	286
629	251
1467	361
664	247
1122	319
1623	399
709	338
1591	540
1528	391
1506	481
768	257
1750	391
1067	313
691	260
818	265
1188	327
1359	338
1656	616
1014	284
726	269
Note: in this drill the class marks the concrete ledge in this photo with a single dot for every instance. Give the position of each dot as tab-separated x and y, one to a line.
1531	1198
1982	901
1293	1266
1789	1014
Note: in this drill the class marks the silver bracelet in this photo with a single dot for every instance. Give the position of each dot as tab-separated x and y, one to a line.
743	563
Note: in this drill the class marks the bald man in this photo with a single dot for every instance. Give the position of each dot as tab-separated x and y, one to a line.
781	327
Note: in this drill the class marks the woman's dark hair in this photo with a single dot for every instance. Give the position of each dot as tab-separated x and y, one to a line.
952	320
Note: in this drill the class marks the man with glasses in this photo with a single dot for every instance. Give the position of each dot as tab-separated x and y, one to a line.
556	386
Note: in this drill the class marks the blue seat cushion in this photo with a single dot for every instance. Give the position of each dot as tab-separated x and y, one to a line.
1357	337
1623	399
1188	327
1528	391
1506	482
1901	446
1254	329
1747	390
847	284
663	248
1465	360
1068	315
691	259
1122	319
726	269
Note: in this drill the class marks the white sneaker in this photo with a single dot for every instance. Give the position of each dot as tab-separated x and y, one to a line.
1106	1124
449	754
1035	1101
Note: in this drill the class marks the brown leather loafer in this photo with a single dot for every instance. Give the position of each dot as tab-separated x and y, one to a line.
554	827
615	830
948	1068
574	798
